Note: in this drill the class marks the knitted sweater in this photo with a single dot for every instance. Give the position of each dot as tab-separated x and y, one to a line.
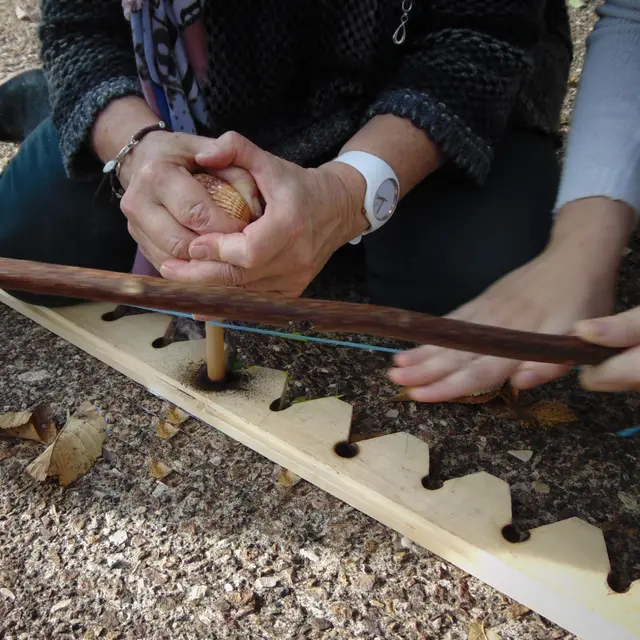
300	77
603	151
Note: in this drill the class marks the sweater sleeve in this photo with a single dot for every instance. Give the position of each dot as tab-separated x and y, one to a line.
603	151
88	58
460	78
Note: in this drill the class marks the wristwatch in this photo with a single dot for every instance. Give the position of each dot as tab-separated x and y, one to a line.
383	188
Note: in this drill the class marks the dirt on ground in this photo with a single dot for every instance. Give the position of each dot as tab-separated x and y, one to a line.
223	548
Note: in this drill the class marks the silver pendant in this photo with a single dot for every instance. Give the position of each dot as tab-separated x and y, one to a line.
400	34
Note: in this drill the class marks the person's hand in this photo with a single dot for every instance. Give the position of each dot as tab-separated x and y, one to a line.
547	295
621	372
309	214
165	206
573	279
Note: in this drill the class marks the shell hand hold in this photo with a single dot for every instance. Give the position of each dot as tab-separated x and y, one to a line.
225	196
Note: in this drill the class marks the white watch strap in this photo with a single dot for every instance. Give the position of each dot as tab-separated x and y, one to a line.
375	172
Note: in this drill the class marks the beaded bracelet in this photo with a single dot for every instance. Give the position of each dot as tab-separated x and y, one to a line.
113	166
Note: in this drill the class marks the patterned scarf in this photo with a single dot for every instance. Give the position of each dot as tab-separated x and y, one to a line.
171	55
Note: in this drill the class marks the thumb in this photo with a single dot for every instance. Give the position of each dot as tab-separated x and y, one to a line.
621	330
233	149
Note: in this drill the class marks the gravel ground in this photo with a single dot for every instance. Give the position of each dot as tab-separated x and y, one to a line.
223	549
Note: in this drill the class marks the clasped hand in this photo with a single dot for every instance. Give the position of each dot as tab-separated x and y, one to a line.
308	214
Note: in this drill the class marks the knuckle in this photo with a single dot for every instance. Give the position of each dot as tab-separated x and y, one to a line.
177	247
231	276
196	216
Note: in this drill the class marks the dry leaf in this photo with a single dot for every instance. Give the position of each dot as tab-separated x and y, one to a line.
166	430
176	416
287	478
28	425
478	631
540	487
477	398
77	446
522	454
551	413
628	501
159	469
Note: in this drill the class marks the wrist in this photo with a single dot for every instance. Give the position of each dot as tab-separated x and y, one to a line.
594	231
351	189
116	124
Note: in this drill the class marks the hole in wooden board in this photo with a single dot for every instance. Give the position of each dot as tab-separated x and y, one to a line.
346	449
432	483
618	583
512	534
180	330
121	311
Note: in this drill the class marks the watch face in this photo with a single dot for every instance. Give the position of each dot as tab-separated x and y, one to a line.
385	200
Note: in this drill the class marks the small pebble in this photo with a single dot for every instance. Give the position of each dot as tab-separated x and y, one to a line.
310	555
59	606
197	592
118	538
34	376
266	582
392	413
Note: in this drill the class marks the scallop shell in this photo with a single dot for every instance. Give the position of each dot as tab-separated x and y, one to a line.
225	196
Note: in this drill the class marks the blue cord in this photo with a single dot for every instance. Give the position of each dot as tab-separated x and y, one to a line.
280	334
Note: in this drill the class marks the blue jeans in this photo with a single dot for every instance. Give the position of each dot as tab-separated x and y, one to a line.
447	242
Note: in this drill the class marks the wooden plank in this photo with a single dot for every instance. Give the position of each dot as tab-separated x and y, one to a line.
560	572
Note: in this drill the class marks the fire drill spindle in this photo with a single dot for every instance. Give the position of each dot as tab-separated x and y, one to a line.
232	202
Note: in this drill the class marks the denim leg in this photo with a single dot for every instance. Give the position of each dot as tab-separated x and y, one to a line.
47	217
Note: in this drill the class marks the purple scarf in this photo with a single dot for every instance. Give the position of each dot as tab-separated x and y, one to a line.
171	55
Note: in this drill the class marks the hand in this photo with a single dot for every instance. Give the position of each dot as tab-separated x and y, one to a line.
547	295
309	214
622	372
166	207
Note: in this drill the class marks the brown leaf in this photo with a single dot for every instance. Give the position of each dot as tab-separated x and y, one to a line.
551	413
166	430
77	446
159	469
176	416
478	631
477	398
27	425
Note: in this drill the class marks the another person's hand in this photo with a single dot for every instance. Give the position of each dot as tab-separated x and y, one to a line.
309	214
622	372
573	279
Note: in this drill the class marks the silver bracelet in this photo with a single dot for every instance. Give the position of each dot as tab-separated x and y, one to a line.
112	168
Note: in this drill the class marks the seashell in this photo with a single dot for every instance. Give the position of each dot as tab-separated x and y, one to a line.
225	196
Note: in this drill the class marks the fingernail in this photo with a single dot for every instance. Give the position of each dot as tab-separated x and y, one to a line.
199	252
166	272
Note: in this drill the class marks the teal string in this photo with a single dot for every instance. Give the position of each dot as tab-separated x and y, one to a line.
279	334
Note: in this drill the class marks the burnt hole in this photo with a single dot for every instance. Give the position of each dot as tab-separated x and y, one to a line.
432	482
512	534
346	449
160	343
121	311
618	582
279	404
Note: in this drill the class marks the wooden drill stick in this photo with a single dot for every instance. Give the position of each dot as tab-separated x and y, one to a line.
231	201
278	310
216	361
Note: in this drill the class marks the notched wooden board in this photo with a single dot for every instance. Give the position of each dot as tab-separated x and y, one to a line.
560	571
